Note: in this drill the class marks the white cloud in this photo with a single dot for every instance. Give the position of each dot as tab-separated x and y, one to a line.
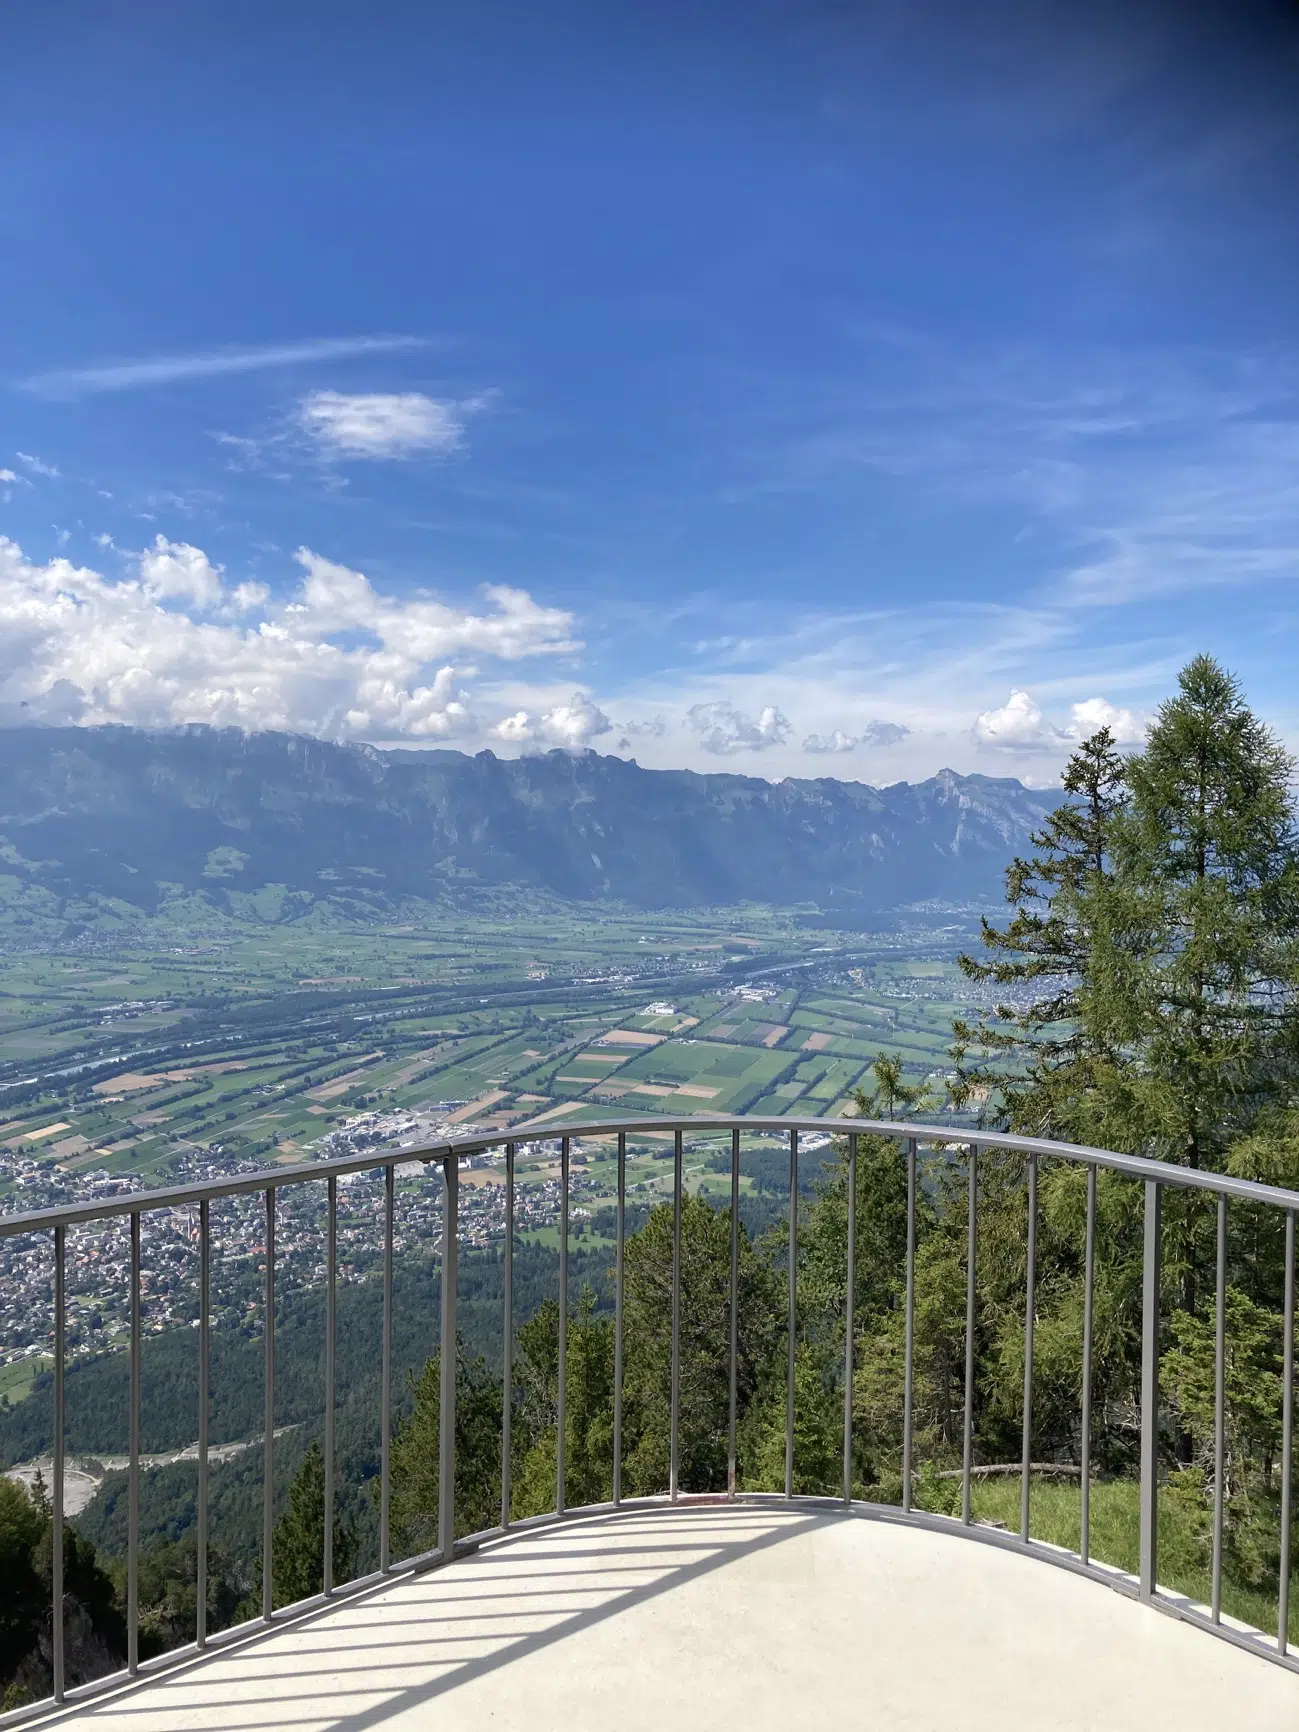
209	364
1020	726
572	725
381	424
7	475
722	729
884	733
835	741
48	470
339	658
175	571
1096	713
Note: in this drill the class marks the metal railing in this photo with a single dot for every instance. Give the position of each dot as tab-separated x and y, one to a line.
1155	1177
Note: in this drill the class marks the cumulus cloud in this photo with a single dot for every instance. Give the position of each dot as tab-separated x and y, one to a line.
572	725
380	424
884	733
175	571
1095	713
837	741
723	729
163	645
1020	726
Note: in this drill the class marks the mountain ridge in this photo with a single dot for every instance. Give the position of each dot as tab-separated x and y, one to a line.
137	815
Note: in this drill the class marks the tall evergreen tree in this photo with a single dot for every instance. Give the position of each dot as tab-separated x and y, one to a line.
1047	1052
298	1542
1208	847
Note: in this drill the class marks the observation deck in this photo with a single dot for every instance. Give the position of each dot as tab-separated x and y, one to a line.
706	1616
719	1607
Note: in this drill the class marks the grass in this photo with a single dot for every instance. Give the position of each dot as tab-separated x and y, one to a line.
1183	1544
16	1379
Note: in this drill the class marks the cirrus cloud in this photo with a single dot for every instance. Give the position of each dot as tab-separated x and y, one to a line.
379	424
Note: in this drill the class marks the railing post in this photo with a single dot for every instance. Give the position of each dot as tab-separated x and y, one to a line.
331	1338
507	1330
204	1402
1089	1285
617	1318
909	1350
1150	1390
447	1360
674	1460
133	1468
1287	1442
385	1377
561	1415
971	1305
850	1294
735	1314
793	1314
60	1428
268	1422
1030	1305
1219	1408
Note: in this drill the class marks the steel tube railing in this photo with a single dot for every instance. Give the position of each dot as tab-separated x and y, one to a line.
734	1356
1150	1278
507	1342
1219	1407
59	1461
1153	1176
792	1338
133	1469
620	1234
850	1289
908	1370
1030	1300
561	1417
1085	1449
447	1359
385	1377
331	1342
971	1302
674	1423
204	1404
1287	1440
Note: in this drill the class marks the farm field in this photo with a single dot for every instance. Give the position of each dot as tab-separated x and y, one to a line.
124	1061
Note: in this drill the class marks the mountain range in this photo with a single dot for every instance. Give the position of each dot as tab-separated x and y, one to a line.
97	820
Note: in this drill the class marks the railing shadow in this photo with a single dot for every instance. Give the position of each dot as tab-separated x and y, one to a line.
321	1685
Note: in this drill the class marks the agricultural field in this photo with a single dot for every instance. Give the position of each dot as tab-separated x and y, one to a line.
126	1062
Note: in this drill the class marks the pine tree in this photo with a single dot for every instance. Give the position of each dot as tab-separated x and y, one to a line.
1208	849
298	1542
1047	1060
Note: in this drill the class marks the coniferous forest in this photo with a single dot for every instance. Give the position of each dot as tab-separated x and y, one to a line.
1150	967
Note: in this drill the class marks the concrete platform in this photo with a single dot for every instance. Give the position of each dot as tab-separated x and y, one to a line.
708	1618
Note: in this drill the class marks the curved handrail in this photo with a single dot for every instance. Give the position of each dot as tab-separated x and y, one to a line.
461	1148
1153	1175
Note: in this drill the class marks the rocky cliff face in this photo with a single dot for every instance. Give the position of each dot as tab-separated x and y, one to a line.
137	815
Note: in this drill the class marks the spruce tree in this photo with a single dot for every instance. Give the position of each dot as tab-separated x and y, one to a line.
1046	1052
298	1543
1207	849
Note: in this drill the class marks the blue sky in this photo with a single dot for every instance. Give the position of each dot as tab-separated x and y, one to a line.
790	389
